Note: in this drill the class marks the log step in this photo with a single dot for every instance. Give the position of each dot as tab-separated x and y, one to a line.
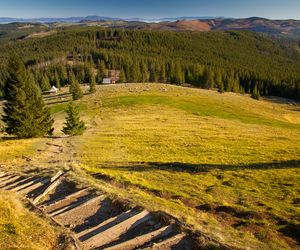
65	201
169	243
2	174
143	239
75	205
85	234
5	177
17	183
26	184
36	185
51	187
9	181
116	231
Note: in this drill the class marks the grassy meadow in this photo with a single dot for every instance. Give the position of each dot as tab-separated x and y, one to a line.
224	164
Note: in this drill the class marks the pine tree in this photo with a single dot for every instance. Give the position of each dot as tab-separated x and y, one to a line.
102	70
75	89
221	88
73	125
57	80
93	85
162	75
208	78
45	83
178	74
144	72
122	77
88	74
255	93
218	79
25	114
136	72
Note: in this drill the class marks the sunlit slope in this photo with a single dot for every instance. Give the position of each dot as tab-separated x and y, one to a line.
219	162
160	123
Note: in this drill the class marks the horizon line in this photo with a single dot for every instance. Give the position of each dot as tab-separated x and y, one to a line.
149	18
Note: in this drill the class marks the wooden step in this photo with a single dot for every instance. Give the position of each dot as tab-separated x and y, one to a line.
15	184
2	173
51	187
167	244
116	231
143	239
5	177
70	207
56	176
26	184
34	186
85	234
9	181
59	203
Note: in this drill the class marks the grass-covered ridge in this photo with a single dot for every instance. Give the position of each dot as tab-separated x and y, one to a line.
226	164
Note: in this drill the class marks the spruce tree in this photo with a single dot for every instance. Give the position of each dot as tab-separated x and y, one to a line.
122	77
102	70
163	76
221	88
25	114
56	80
255	93
218	79
73	125
93	85
45	83
75	89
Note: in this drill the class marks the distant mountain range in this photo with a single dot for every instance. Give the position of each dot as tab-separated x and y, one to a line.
5	20
286	28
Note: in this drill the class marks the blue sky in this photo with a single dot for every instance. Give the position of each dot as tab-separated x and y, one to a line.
281	9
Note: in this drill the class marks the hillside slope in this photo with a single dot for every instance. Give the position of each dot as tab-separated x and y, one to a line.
224	164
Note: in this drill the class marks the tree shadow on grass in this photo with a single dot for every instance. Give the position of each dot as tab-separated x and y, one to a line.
48	97
14	138
58	102
198	168
8	138
291	230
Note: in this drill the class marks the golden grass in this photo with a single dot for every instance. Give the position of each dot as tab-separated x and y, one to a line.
12	151
225	164
22	229
175	149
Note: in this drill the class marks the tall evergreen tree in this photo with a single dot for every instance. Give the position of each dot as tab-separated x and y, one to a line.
163	75
136	72
93	85
25	114
73	125
122	77
102	70
255	93
218	79
75	89
45	83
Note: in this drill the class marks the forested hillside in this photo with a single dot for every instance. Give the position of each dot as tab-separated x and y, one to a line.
235	61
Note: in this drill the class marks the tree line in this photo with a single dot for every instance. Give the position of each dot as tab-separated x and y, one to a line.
229	61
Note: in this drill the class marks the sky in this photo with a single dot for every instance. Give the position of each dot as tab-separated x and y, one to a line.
273	9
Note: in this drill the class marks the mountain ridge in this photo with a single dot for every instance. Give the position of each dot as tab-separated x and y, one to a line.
285	28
